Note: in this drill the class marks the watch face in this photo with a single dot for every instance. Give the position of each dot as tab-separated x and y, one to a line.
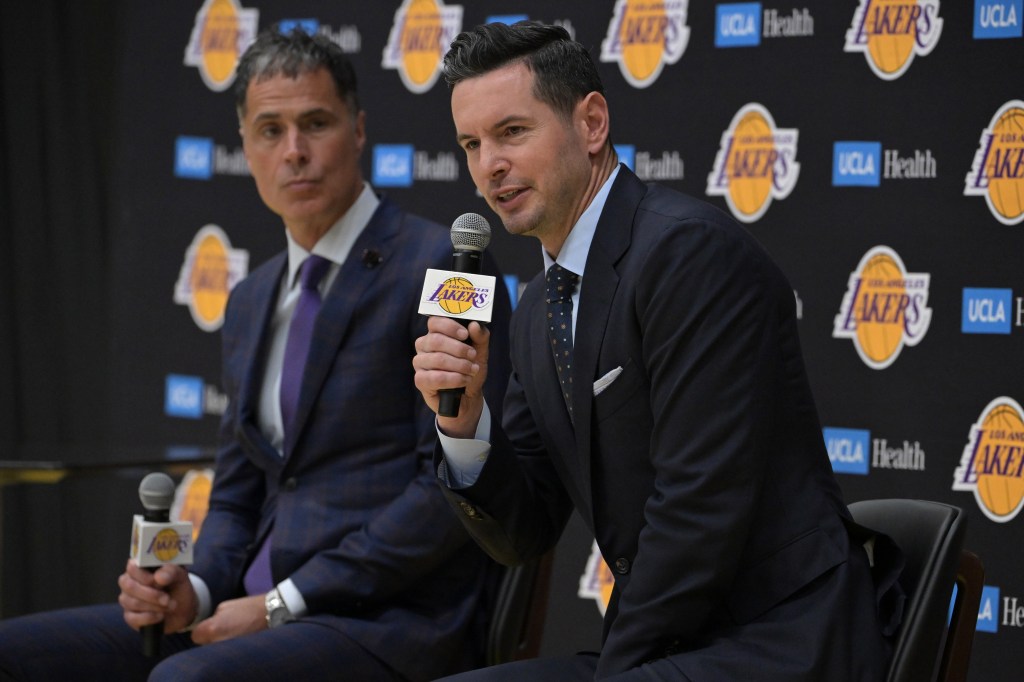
279	616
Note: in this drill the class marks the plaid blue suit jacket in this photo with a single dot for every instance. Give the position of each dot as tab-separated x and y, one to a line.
359	523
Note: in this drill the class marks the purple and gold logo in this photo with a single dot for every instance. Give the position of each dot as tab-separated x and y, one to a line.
221	33
891	33
992	463
884	308
419	39
756	163
998	169
645	35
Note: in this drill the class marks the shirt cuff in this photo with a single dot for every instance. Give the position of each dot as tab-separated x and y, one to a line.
205	607
292	598
466	456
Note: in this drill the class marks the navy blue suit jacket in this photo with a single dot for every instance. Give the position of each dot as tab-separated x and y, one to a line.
701	469
358	521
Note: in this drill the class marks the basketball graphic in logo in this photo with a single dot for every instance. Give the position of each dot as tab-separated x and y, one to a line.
1001	429
221	33
992	463
884	309
890	50
643	36
880	336
997	172
420	36
752	139
451	299
642	58
756	163
891	33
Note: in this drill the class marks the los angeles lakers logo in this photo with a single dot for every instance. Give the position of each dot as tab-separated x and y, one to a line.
993	461
884	309
167	544
998	169
222	32
211	269
458	295
643	36
597	580
891	32
756	163
419	39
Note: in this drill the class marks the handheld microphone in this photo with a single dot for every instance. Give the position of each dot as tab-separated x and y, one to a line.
155	541
471	233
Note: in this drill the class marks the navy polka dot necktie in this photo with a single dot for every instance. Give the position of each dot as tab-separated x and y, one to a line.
561	285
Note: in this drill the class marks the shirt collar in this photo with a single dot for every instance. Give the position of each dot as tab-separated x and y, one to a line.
573	255
337	241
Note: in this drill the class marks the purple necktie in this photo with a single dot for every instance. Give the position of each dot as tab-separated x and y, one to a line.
300	332
258	579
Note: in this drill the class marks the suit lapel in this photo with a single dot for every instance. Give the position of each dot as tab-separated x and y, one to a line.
339	304
600	282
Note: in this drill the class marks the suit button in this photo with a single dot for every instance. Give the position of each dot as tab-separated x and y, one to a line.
622	566
291	484
468	509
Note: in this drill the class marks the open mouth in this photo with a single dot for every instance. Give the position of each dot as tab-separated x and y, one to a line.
508	196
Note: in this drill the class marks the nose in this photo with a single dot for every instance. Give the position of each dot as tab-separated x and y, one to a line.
493	161
297	149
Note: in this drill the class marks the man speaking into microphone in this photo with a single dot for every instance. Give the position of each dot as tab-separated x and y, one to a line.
658	387
328	551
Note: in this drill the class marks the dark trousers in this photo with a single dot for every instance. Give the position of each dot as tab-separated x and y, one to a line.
94	643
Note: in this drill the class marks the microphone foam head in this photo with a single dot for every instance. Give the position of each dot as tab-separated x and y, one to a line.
471	232
156	491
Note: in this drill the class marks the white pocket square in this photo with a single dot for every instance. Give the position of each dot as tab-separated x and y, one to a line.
606	381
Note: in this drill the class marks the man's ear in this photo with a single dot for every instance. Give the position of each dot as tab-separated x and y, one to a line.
593	110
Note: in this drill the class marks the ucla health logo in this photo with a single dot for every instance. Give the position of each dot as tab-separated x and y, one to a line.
857	164
756	163
419	39
891	32
738	24
865	164
884	309
189	397
210	271
998	18
198	158
643	36
987	311
997	172
848	450
399	165
993	460
221	33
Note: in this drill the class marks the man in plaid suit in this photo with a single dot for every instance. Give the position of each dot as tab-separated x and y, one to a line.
371	577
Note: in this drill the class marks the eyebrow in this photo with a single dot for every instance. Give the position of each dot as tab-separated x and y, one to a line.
271	115
500	124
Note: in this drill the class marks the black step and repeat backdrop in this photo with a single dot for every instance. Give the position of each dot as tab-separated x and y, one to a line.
876	147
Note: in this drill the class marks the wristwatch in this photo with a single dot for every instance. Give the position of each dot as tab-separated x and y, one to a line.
277	610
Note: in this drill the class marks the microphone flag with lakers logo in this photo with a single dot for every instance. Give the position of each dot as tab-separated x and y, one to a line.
461	293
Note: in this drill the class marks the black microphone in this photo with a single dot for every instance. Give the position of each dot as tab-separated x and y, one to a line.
471	233
157	494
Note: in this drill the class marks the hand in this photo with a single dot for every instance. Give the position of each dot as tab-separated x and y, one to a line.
233	618
151	597
444	360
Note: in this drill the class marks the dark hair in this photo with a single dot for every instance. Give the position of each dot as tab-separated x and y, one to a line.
563	70
274	53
